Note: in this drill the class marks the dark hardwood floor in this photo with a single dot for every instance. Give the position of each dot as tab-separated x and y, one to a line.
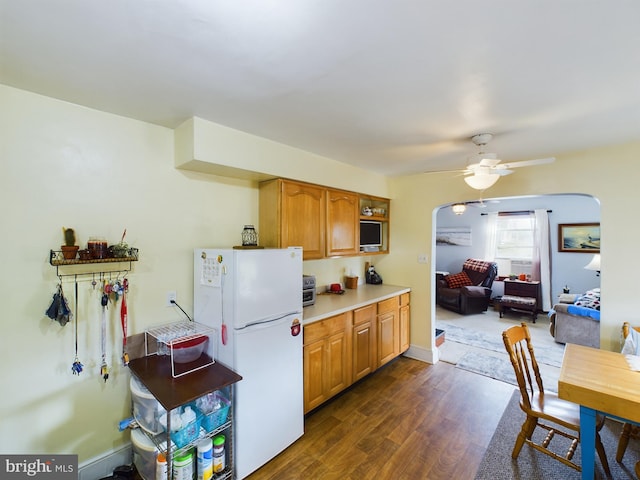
409	420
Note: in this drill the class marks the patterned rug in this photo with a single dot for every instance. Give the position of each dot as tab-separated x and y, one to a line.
549	355
499	366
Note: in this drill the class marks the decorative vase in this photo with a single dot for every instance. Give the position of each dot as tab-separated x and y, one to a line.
69	252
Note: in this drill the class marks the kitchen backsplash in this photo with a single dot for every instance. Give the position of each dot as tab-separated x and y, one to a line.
334	270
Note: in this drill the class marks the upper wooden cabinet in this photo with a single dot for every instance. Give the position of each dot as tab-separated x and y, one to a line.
342	229
325	222
293	214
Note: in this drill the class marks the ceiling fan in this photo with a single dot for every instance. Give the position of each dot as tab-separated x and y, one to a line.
487	168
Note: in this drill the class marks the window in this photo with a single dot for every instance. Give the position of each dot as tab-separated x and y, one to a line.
514	243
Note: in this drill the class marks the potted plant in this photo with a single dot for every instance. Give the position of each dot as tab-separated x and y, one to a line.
69	249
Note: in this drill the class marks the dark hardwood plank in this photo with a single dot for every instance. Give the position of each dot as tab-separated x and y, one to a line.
408	420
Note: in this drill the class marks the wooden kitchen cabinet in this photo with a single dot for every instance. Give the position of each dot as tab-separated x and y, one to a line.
325	222
343	225
345	348
364	341
405	322
327	359
388	325
292	214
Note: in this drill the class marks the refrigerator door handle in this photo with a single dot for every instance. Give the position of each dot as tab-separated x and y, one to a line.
268	320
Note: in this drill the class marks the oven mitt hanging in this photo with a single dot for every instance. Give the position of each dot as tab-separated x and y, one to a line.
59	308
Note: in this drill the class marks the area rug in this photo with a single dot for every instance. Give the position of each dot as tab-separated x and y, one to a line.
499	367
497	463
453	333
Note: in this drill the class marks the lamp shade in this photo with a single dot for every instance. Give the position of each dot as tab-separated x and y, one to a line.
481	181
594	264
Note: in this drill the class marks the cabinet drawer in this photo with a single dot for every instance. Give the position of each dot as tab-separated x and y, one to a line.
326	327
364	314
404	299
388	305
521	289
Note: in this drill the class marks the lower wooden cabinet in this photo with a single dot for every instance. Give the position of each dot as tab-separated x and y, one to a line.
327	359
364	341
345	348
388	330
405	323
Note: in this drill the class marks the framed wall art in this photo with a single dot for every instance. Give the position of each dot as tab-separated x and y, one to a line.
579	237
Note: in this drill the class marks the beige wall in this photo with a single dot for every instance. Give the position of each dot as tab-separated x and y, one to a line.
66	165
609	174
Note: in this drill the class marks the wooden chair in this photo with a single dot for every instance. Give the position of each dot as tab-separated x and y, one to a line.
544	408
629	430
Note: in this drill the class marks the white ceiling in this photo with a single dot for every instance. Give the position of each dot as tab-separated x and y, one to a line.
394	86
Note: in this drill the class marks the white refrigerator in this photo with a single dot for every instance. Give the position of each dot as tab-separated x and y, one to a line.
253	298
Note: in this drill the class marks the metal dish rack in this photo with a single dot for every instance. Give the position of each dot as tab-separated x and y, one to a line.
162	339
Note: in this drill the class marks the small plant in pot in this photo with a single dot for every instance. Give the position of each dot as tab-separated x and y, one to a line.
69	249
120	249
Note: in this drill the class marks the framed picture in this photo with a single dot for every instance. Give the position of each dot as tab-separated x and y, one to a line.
458	236
579	237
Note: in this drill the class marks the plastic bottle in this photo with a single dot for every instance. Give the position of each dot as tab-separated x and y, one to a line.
204	464
161	466
183	466
188	416
219	460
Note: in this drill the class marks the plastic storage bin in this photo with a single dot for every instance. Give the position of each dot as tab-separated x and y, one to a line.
146	409
215	418
188	432
144	454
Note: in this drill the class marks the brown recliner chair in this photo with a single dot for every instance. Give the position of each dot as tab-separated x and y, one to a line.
469	291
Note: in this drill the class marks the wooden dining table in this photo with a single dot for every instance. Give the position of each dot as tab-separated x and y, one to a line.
599	381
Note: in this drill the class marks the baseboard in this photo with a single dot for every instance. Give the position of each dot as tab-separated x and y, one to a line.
103	465
422	354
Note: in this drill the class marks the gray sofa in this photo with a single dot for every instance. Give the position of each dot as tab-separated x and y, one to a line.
568	327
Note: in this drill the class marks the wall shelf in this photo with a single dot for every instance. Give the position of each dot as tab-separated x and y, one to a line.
56	259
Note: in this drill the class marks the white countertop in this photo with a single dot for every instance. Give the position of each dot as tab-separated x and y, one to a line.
330	304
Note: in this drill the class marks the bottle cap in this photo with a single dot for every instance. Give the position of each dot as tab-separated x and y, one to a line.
218	441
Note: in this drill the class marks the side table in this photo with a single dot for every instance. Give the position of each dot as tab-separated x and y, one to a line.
520	296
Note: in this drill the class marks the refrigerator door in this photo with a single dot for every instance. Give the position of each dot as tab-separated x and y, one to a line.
269	400
266	284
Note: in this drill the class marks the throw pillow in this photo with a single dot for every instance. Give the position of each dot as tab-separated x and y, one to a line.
458	280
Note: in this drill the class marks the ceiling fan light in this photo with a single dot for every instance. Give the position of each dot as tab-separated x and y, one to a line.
458	208
481	182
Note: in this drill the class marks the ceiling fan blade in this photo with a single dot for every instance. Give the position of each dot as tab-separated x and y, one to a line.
459	171
528	163
489	160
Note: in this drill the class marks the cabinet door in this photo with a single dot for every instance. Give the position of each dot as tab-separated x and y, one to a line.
303	218
364	341
314	391
337	363
327	359
405	328
388	325
387	337
342	223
